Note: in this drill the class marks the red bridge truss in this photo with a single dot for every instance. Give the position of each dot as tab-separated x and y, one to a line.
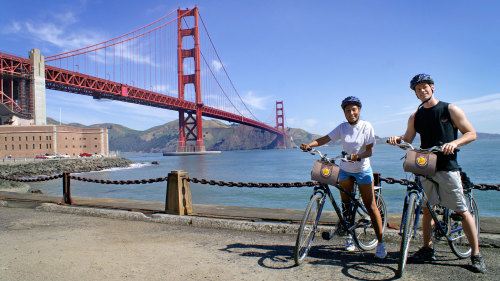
161	64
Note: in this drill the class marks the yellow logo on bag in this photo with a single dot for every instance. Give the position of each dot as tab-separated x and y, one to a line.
325	172
421	161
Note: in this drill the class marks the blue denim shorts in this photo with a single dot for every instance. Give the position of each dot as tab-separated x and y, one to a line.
365	177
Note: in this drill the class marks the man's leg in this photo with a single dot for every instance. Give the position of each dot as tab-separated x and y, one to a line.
427	224
470	230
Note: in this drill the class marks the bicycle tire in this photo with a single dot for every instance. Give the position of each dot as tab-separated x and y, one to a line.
460	244
308	226
365	234
408	230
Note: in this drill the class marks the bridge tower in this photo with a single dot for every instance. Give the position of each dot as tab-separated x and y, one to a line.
190	126
280	124
38	86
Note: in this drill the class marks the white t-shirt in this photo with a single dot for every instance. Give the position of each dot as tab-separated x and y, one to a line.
354	139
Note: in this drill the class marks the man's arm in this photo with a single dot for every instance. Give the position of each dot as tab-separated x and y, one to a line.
410	133
463	125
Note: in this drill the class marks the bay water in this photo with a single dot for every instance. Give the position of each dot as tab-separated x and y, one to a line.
273	166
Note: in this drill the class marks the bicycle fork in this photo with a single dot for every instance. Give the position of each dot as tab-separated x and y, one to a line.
405	213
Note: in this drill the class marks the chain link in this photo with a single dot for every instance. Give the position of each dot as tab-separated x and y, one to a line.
481	186
121	182
388	180
253	184
36	179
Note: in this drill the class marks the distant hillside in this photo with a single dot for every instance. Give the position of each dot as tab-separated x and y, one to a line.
216	136
485	136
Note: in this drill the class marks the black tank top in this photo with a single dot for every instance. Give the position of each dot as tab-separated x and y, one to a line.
436	128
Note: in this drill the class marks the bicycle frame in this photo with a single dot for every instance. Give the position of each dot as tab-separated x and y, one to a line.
324	188
356	221
441	227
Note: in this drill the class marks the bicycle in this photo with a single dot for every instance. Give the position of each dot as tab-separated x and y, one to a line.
358	223
447	224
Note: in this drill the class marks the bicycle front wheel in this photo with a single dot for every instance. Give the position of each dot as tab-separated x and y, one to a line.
459	243
408	231
367	239
308	226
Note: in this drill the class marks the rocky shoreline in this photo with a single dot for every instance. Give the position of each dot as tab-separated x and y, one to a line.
52	167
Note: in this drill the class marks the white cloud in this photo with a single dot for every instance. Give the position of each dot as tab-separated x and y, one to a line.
13	27
66	18
310	123
255	101
56	32
486	103
217	65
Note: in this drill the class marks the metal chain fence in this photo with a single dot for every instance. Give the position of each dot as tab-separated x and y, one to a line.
388	180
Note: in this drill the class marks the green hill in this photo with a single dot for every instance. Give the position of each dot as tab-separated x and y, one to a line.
216	136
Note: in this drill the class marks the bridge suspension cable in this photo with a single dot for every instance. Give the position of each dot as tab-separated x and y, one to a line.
142	67
224	68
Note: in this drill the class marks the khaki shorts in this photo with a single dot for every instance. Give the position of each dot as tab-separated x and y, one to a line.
449	193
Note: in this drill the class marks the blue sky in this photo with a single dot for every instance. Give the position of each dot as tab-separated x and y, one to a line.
310	54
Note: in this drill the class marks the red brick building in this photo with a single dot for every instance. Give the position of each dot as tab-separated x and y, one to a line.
29	141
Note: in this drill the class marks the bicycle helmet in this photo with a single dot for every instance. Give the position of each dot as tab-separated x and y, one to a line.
351	100
420	78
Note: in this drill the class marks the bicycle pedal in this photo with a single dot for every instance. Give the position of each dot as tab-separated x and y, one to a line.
326	235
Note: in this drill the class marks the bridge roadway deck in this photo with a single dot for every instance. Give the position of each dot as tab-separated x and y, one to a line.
283	216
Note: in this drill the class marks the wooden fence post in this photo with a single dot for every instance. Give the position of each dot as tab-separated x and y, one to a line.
67	189
178	201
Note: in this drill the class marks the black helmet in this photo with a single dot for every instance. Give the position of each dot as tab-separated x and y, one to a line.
351	100
420	78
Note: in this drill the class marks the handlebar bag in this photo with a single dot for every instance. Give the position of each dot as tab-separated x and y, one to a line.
420	162
325	172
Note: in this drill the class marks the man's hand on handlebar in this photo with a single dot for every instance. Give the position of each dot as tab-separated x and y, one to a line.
397	141
305	147
394	140
449	148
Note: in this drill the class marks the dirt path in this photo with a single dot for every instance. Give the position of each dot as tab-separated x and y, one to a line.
51	246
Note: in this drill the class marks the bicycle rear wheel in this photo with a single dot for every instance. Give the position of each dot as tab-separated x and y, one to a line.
364	232
308	226
460	244
408	230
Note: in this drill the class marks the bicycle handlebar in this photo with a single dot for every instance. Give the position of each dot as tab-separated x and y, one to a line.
344	157
405	145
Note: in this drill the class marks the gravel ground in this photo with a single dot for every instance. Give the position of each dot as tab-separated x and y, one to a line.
53	246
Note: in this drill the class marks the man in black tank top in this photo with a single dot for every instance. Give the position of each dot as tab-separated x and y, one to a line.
438	123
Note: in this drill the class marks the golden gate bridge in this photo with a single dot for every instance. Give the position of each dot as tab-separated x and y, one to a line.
171	63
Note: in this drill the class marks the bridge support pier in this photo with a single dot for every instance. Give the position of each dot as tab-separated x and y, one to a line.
38	87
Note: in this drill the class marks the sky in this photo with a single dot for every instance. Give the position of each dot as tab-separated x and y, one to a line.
308	54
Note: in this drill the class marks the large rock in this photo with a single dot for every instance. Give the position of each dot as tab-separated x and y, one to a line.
52	167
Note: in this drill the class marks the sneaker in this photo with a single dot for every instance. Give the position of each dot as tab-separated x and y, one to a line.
478	263
349	244
424	254
381	252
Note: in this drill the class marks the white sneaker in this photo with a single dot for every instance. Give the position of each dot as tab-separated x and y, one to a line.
381	252
349	244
